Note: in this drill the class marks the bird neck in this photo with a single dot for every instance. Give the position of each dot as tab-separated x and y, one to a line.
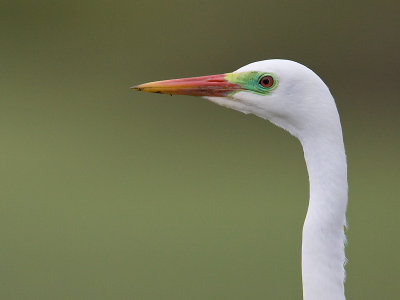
323	256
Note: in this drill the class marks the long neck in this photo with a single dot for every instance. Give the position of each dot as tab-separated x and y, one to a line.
323	256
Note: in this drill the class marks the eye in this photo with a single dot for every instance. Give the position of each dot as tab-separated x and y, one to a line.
267	81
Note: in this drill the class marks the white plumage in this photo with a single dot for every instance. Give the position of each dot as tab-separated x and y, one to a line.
302	104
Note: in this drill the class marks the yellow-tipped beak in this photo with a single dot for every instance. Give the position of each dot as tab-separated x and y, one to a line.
213	85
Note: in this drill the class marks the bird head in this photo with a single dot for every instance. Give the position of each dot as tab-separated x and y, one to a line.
284	92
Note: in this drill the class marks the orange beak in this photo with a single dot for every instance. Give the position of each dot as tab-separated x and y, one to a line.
213	86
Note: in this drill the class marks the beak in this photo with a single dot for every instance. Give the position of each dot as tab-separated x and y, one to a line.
213	86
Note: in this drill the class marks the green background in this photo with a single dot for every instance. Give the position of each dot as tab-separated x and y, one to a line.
110	194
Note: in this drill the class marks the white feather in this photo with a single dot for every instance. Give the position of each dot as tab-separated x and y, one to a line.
303	105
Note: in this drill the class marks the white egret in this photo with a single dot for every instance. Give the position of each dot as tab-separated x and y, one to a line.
294	98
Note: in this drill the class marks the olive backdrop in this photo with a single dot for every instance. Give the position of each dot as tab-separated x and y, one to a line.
106	193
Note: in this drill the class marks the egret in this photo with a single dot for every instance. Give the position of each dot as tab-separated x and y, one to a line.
294	98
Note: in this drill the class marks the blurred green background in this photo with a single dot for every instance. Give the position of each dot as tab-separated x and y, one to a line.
110	194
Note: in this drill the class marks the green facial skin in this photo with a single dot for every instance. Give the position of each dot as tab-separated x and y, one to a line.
250	81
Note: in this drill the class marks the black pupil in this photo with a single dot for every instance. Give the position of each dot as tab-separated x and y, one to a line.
265	81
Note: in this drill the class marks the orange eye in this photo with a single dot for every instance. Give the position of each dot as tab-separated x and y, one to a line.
267	81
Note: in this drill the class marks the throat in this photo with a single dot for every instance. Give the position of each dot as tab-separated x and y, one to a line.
323	256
